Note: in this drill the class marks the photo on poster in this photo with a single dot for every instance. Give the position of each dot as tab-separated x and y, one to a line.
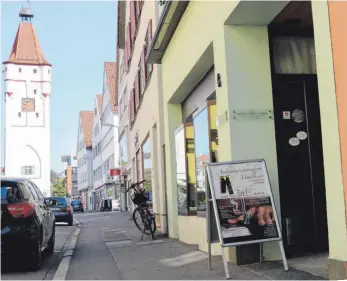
243	202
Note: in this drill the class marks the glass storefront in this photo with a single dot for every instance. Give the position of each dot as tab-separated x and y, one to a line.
202	157
196	145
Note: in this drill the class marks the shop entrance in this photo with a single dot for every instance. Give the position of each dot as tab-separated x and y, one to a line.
298	131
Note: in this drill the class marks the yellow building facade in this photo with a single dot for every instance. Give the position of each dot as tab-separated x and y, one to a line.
224	59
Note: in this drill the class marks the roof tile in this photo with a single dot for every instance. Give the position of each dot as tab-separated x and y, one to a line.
99	101
111	80
87	119
26	47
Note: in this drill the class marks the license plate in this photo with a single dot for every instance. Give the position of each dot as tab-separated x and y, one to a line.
55	209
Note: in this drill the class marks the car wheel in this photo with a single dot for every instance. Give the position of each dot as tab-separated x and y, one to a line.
70	221
51	242
35	257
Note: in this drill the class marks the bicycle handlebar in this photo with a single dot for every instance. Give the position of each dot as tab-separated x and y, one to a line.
132	186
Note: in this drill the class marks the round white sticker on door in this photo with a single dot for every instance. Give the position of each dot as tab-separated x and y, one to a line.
301	135
294	141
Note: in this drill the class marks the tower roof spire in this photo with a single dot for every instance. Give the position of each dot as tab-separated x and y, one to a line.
25	13
26	47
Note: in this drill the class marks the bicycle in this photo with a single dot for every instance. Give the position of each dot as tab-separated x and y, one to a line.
147	218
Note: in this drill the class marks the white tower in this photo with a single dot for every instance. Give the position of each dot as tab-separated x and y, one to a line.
27	81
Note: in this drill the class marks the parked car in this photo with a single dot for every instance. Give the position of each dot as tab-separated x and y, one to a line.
61	209
27	224
77	206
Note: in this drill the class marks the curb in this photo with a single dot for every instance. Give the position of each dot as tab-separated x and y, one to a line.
63	267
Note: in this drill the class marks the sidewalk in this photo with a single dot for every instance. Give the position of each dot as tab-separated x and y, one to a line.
168	259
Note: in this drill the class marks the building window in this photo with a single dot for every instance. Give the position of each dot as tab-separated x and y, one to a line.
147	165
19	114
138	167
27	170
49	71
123	151
37	115
19	69
35	71
35	92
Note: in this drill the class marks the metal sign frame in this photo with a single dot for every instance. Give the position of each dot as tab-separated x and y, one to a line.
210	187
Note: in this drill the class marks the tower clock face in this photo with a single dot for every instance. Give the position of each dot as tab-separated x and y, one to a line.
28	105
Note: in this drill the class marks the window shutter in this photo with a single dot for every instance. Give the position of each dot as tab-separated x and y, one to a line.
129	44
143	71
127	49
132	107
149	36
149	30
138	8
126	56
137	91
132	21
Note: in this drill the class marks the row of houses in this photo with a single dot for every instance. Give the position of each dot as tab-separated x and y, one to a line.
191	77
97	144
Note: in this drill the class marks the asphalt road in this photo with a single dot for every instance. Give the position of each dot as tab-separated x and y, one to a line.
50	262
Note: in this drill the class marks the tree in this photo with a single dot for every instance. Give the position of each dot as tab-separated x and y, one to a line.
58	188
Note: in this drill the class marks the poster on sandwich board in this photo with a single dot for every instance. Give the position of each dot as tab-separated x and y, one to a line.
242	205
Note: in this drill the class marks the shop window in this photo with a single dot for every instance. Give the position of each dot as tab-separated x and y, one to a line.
202	155
138	167
181	176
147	164
186	174
214	144
123	151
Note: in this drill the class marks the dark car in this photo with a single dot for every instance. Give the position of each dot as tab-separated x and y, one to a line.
61	209
27	224
77	206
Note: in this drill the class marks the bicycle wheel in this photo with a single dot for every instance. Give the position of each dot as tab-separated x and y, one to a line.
150	221
140	220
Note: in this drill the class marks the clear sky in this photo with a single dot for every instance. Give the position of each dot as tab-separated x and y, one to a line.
76	38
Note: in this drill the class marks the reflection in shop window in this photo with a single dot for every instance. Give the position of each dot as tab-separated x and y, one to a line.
147	164
202	157
191	176
181	175
123	151
214	144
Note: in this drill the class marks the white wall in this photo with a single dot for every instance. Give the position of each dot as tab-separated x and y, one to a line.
97	136
27	136
82	160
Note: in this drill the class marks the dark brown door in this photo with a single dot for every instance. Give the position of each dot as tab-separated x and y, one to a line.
300	163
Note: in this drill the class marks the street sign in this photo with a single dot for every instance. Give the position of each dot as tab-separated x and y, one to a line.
114	172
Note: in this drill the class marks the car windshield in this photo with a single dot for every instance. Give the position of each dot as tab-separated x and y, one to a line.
10	192
56	201
76	202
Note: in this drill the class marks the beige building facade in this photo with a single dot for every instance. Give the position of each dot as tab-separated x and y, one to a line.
140	101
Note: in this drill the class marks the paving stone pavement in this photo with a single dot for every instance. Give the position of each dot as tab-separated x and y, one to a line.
167	259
